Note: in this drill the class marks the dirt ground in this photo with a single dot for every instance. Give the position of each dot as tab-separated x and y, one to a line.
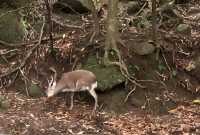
28	116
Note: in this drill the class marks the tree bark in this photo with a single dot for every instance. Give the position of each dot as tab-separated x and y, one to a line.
112	35
96	26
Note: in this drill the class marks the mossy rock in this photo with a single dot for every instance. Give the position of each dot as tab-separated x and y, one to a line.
184	29
143	48
4	104
107	77
12	28
35	91
14	3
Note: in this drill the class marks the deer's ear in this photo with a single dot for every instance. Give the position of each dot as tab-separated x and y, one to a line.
54	84
50	82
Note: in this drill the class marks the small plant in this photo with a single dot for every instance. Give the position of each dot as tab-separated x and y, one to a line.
161	66
174	73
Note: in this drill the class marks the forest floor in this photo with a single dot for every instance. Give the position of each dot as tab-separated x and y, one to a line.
28	116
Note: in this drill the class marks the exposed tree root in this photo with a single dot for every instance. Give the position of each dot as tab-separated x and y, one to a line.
112	39
120	63
129	94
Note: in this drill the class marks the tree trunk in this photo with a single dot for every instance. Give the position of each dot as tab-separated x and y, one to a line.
112	35
96	26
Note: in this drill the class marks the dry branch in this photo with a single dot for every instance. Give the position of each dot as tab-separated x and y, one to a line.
19	45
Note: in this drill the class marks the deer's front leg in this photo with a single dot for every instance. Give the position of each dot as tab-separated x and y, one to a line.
72	103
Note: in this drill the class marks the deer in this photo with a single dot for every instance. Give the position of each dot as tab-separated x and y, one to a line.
73	81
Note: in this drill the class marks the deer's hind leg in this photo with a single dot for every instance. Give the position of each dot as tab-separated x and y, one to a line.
94	95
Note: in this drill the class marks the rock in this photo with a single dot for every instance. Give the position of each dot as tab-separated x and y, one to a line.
182	1
132	7
4	104
72	6
11	27
194	12
78	6
163	2
35	91
107	77
196	71
184	29
143	48
14	3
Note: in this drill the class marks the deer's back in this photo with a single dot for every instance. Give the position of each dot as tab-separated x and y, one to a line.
78	78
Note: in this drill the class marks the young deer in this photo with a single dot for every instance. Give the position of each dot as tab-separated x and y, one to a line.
74	81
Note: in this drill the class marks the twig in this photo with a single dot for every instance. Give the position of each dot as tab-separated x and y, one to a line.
163	55
13	45
129	94
4	58
141	9
3	14
25	81
9	51
13	80
58	20
153	81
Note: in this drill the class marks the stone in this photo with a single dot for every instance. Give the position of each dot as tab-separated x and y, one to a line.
35	91
143	48
11	27
184	29
72	6
132	7
4	104
107	77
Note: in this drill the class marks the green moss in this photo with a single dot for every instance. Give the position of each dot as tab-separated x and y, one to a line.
35	91
4	104
107	77
11	27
